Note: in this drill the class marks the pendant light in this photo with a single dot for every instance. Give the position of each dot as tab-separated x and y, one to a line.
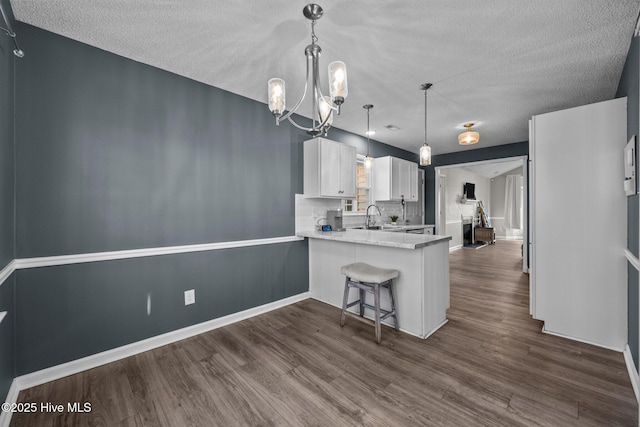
425	150
468	137
368	161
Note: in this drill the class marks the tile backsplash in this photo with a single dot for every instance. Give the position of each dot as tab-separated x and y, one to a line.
311	212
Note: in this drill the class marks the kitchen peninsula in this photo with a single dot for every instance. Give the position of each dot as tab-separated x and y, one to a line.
422	289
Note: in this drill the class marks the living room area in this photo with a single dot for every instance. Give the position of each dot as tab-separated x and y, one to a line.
482	201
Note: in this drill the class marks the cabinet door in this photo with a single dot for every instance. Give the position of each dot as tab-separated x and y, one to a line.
413	182
397	190
330	171
347	171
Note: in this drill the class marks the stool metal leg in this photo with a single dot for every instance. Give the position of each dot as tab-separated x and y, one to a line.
376	298
345	301
393	305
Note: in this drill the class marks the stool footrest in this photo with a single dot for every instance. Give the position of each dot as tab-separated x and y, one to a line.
369	279
351	304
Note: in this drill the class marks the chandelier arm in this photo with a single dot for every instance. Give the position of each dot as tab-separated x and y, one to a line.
319	96
315	107
306	129
304	93
316	79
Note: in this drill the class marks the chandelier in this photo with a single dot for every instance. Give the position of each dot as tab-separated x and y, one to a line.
468	137
425	150
323	107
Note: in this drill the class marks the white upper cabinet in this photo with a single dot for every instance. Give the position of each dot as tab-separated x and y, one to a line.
329	169
394	178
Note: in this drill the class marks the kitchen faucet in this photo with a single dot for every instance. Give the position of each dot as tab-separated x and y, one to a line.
367	224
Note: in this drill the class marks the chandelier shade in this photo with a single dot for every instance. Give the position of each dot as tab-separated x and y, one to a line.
468	137
323	108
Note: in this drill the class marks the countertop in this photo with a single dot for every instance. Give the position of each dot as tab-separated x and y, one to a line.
402	228
378	238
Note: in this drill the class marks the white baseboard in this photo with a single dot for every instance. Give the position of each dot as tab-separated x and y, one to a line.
618	349
12	397
435	329
633	373
385	322
60	371
455	248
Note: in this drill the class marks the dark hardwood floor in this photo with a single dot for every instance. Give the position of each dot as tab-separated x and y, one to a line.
489	366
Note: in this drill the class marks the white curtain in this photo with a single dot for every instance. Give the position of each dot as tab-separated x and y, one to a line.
513	202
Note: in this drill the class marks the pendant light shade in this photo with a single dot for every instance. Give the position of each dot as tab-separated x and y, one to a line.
468	137
368	161
425	150
425	155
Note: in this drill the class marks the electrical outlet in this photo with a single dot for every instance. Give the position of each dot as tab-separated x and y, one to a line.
190	297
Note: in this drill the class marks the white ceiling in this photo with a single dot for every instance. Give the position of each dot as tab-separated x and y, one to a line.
491	170
494	62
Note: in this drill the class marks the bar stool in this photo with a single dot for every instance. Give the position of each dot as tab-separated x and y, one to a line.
367	278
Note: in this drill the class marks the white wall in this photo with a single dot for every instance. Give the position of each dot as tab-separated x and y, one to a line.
496	213
578	223
454	210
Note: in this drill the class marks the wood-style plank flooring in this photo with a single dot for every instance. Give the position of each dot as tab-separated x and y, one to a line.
489	366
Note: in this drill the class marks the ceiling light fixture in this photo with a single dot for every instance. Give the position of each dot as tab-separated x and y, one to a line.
425	150
368	161
468	137
323	107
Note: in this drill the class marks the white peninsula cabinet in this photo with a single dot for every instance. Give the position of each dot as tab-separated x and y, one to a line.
421	289
394	178
329	169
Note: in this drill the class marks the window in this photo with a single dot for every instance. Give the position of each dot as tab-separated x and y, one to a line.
363	189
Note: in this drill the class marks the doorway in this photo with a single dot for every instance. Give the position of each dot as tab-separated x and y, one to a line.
448	198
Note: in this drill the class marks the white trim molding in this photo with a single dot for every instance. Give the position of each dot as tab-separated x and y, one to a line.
632	259
79	365
7	271
12	397
619	350
633	373
147	252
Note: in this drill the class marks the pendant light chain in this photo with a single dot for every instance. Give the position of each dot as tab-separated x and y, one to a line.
368	160
425	115
368	133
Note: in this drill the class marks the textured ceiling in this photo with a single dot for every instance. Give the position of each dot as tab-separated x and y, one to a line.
492	170
494	62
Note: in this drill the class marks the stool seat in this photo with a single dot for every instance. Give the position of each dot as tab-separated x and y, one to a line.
363	272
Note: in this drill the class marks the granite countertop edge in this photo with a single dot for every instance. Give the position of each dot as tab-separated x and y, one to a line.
377	238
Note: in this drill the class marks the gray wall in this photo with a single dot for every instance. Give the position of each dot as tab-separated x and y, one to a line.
112	154
7	61
629	87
